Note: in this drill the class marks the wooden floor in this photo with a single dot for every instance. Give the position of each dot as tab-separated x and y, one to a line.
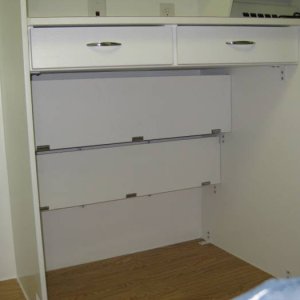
9	290
186	271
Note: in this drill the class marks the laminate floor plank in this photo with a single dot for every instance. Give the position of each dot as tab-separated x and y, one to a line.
10	290
186	271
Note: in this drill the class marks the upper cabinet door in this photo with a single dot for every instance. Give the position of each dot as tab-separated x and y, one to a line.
207	45
96	47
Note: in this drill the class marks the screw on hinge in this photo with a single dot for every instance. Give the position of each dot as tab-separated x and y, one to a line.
288	274
282	73
222	139
208	235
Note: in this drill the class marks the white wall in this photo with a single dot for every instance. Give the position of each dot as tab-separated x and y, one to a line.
7	261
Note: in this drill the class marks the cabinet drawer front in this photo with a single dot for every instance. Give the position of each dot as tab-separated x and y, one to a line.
77	47
236	45
86	177
92	111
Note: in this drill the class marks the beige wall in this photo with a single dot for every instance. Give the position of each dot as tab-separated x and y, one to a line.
39	8
7	262
18	141
264	6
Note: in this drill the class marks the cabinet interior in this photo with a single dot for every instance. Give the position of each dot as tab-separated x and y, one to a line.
93	175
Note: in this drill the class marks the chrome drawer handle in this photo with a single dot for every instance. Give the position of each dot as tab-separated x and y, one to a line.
240	43
103	44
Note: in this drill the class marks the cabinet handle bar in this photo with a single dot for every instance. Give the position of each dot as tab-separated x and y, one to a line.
104	44
240	43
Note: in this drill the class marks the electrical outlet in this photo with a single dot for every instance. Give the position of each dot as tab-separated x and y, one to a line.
167	9
97	8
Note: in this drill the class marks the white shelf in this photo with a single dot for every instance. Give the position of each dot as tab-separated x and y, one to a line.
217	21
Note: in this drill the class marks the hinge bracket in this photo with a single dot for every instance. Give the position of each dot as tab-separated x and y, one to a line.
282	73
216	131
137	139
132	195
222	138
43	148
44	208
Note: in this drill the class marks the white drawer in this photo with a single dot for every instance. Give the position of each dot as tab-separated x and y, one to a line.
56	48
80	111
85	177
207	45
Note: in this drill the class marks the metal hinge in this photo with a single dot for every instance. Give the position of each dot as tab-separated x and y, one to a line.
44	208
216	131
137	139
43	148
132	195
205	183
282	73
222	138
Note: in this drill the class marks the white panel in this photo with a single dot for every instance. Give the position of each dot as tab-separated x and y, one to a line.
67	47
18	132
255	212
120	227
207	45
93	111
85	177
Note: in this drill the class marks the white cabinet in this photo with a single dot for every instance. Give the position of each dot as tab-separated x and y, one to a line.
71	113
92	47
219	45
90	110
91	176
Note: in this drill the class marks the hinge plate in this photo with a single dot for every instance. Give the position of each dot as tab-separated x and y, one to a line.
44	208
137	139
43	148
132	195
205	183
216	131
